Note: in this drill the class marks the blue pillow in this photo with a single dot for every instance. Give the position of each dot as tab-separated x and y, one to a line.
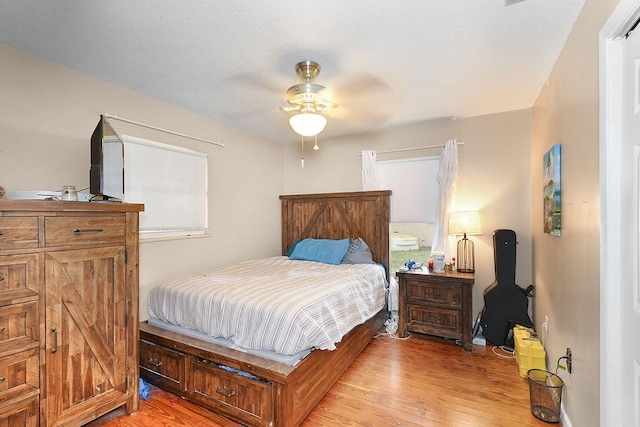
321	250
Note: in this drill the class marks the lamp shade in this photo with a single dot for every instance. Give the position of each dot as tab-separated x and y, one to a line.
308	124
465	222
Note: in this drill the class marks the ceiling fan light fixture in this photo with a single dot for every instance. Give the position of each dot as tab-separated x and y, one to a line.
308	124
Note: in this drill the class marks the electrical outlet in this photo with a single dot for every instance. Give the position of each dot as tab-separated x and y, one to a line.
569	359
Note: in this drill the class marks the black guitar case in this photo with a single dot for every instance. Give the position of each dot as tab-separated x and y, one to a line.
505	303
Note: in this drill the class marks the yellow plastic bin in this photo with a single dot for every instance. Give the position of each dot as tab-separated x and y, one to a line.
545	390
529	351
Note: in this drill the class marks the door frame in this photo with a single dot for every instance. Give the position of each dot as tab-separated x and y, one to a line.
612	341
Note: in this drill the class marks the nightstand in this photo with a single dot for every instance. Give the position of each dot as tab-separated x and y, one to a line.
436	304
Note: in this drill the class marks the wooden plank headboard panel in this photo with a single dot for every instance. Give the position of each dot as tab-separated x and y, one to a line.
337	216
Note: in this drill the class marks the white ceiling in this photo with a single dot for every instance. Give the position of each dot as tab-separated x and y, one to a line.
385	63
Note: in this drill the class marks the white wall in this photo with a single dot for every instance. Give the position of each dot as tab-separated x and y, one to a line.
47	115
567	267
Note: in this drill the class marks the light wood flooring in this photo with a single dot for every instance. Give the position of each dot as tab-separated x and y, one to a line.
417	383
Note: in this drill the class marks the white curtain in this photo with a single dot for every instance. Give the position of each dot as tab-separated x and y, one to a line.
447	174
370	178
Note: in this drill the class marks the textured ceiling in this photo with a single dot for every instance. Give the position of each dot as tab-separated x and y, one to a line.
385	63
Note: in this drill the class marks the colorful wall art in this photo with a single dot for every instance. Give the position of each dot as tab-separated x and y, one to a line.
551	191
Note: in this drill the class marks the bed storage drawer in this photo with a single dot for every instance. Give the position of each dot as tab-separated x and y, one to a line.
239	395
163	367
84	230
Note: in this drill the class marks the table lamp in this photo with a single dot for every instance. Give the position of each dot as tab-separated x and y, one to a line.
463	223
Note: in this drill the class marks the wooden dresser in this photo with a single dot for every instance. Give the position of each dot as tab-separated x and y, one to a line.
68	311
438	304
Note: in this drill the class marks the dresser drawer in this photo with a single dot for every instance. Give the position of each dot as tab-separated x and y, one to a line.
434	321
18	233
18	327
433	293
20	278
239	395
19	375
163	367
81	231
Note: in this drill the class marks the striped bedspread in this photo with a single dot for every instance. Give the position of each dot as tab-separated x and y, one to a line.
274	304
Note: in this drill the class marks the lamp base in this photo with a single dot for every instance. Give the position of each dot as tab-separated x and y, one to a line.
466	259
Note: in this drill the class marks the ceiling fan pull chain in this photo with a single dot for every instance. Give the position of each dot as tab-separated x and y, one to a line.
302	153
315	147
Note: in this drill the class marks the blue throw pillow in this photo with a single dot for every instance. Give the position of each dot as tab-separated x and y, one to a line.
321	250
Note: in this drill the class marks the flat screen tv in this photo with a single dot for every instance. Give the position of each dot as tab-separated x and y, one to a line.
106	176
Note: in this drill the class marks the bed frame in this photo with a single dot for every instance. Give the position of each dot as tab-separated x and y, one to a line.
253	390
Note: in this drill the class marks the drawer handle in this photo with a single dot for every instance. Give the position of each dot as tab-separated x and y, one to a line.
1	328
2	379
94	230
1	233
432	319
54	349
433	294
1	278
155	363
223	391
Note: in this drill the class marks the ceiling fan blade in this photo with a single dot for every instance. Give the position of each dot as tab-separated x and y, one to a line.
361	115
349	88
254	81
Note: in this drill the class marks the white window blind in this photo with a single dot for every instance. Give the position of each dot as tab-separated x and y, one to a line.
171	182
413	183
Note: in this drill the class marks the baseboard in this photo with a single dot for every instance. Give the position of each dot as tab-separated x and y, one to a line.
564	417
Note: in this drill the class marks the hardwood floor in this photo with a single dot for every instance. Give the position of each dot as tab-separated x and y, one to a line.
418	382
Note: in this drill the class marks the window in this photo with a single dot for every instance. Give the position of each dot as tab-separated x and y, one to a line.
414	201
171	182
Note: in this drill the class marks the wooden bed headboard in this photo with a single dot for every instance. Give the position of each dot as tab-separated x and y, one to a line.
337	216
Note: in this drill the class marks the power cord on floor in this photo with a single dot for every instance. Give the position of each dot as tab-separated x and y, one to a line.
508	353
387	338
391	328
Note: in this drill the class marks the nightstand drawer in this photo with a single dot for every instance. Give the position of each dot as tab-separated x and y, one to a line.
80	230
434	321
163	367
431	293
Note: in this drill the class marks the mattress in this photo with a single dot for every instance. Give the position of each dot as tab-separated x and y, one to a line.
273	304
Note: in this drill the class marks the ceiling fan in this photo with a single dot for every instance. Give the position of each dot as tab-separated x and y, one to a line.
306	103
